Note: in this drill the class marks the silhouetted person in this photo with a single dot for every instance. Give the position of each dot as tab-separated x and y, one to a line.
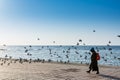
94	64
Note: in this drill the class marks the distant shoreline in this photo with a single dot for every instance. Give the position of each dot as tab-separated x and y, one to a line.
61	45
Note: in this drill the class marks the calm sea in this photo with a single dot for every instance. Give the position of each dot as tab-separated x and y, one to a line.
110	55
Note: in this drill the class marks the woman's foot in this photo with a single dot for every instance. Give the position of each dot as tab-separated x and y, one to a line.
97	73
88	71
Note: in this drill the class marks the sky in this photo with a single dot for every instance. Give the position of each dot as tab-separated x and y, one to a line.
62	21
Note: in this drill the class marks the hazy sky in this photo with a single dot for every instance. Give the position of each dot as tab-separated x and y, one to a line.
63	21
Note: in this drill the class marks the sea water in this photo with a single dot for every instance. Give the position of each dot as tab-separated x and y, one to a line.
110	55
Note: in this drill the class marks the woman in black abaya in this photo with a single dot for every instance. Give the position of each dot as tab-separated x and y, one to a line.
94	64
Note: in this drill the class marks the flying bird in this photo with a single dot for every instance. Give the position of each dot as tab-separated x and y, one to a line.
53	41
77	43
109	42
80	40
84	44
38	38
118	35
94	31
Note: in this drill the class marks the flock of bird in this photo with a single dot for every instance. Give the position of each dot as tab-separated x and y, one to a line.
54	54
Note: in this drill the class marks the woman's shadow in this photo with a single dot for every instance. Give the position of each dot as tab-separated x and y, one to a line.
110	77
